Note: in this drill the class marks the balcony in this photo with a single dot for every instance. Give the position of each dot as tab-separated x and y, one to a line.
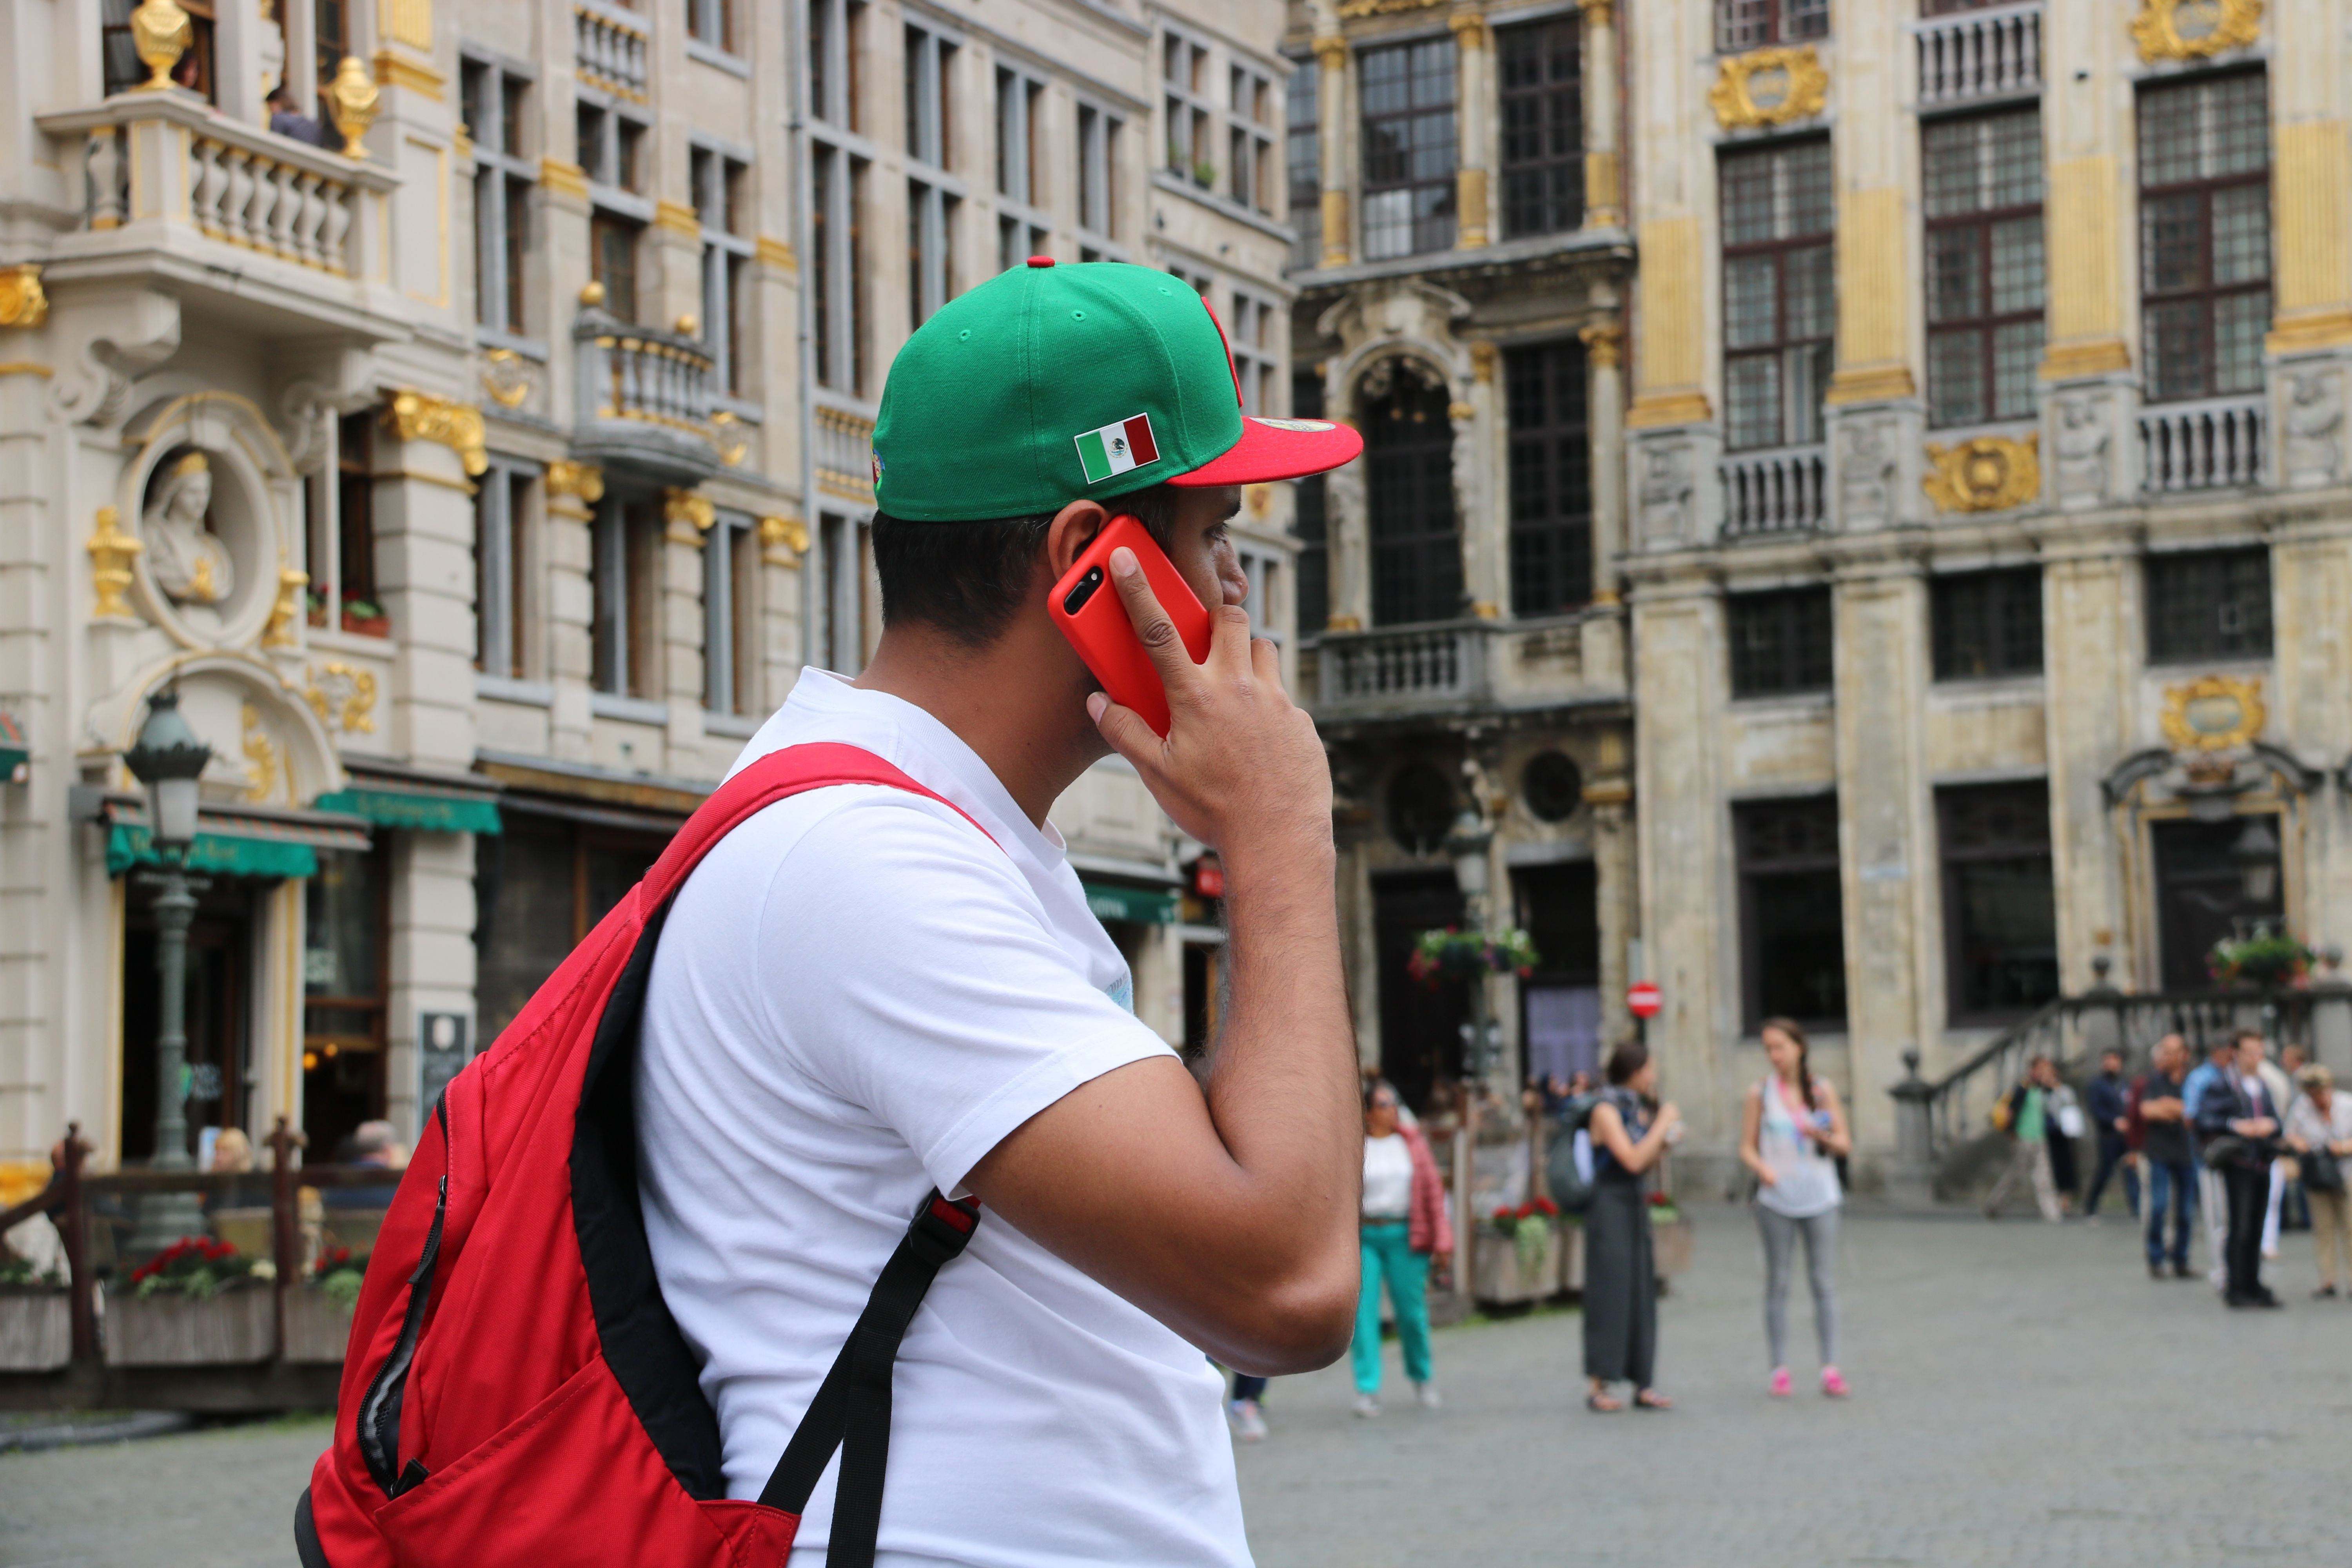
2216	444
213	204
844	452
645	400
1781	490
1408	669
1973	55
608	49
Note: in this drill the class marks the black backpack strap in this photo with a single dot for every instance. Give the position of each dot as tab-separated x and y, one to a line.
852	1408
378	1419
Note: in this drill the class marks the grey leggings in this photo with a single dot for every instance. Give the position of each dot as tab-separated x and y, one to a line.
1780	1247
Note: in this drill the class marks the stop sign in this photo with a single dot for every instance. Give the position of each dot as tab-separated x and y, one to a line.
1642	999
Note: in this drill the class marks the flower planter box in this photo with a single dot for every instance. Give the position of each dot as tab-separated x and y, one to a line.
35	1328
169	1330
367	626
1498	1274
318	1327
1670	1245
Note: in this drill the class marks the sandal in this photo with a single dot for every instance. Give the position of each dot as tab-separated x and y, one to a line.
1651	1399
1603	1405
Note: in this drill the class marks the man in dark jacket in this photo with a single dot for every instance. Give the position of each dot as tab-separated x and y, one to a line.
2109	1097
2172	1163
2237	1106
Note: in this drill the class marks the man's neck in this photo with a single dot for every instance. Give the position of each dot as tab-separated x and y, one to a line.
1014	703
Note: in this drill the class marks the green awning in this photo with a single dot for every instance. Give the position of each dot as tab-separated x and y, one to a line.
1136	906
220	853
424	811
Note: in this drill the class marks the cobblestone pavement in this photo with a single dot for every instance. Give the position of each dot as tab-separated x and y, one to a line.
2023	1395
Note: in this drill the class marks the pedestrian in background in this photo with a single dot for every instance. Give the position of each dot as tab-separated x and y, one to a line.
2108	1095
2238	1125
1621	1265
1791	1130
1406	1220
2171	1160
2320	1130
2211	1197
2294	1206
2024	1113
2279	1080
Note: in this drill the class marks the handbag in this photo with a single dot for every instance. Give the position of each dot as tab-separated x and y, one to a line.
2321	1172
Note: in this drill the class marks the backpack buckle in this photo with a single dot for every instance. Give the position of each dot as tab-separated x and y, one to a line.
943	1228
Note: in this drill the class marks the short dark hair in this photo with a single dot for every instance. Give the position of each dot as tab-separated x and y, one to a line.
969	579
1626	1060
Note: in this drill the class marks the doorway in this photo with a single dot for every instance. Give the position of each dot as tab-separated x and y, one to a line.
1421	1029
219	1058
2200	894
1560	907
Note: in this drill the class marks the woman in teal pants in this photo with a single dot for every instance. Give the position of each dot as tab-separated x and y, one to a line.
1404	1222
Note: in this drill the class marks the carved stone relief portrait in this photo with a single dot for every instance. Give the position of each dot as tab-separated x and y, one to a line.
191	562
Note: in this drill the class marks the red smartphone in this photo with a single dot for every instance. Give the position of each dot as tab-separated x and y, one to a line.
1086	606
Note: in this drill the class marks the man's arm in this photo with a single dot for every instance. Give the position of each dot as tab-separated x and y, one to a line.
1231	1217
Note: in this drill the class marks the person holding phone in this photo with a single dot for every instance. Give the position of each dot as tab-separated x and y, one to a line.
1630	1131
1793	1131
862	993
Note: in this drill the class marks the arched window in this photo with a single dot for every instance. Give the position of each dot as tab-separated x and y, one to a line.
1416	538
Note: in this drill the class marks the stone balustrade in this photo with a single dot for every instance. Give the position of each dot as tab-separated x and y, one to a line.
1781	490
1991	53
608	49
843	451
1441	666
267	202
2214	444
646	398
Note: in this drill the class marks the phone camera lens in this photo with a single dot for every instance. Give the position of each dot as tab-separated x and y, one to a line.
1083	591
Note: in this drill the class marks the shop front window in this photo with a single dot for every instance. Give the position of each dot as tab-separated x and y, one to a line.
344	977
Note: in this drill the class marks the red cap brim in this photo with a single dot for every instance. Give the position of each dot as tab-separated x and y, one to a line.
1277	449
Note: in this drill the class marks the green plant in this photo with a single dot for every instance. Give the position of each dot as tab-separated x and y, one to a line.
339	1275
1455	954
1528	1226
2271	958
15	1270
1204	175
197	1266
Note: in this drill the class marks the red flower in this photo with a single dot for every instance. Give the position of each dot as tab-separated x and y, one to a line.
1661	1201
1545	1207
1503	1216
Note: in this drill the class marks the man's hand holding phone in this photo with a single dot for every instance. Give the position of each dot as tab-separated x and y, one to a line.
1241	768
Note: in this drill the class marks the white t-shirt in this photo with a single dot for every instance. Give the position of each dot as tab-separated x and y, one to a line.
1388	1177
857	997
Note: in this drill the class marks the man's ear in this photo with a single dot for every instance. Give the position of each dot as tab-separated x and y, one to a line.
1073	528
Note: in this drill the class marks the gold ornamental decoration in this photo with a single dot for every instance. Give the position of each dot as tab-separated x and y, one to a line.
420	416
584	481
22	301
351	100
729	438
506	376
1604	343
783	540
112	551
1988	473
1769	87
343	696
1356	10
160	32
690	516
262	754
2213	714
285	611
2194	29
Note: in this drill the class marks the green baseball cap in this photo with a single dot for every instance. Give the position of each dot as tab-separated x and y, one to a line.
1052	384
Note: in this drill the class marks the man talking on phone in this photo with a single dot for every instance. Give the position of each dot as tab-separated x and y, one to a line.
862	993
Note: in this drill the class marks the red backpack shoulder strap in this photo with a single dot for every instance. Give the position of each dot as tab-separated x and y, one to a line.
779	776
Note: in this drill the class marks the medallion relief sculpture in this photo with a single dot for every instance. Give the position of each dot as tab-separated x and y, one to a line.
189	561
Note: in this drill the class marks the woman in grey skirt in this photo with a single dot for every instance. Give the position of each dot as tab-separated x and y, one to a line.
1620	1269
1792	1129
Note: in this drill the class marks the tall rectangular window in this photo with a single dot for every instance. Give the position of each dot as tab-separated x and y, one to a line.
1779	299
1308	524
502	569
613	260
1249	137
1253	341
1987	624
1792	911
1411	516
1983	180
1409	148
1543	126
730	616
1303	158
1551	478
624	590
1191	119
723	209
711	23
2001	909
503	171
353	595
836	36
836	290
1098	180
2207	604
2205	235
837	564
1745	23
929	61
1780	642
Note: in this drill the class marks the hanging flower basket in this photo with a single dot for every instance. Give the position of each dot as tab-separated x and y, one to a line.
1452	954
198	1301
2271	960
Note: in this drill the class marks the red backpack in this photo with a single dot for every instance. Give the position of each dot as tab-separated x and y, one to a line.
515	1390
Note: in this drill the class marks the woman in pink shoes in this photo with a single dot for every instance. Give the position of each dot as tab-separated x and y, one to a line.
1792	1132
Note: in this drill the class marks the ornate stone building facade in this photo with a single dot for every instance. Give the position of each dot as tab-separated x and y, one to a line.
1989	566
478	441
1462	265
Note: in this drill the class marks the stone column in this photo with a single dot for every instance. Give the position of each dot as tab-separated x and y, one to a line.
1887	849
2088	597
1611	797
572	491
783	545
1475	116
686	520
2090	391
2311	342
1481	460
1348	541
433	956
1604	194
1603	632
1331	110
427	451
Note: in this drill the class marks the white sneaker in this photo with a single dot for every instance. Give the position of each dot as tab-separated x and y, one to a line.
1426	1394
1367	1405
1248	1421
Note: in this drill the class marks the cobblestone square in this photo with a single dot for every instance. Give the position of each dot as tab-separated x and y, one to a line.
2023	1395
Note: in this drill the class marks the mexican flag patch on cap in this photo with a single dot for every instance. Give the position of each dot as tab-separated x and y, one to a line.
1116	448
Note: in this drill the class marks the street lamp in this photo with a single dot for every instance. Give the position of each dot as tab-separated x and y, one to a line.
169	759
1466	844
2256	853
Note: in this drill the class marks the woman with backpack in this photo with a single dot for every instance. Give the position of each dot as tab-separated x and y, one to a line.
1630	1130
1793	1131
1405	1223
